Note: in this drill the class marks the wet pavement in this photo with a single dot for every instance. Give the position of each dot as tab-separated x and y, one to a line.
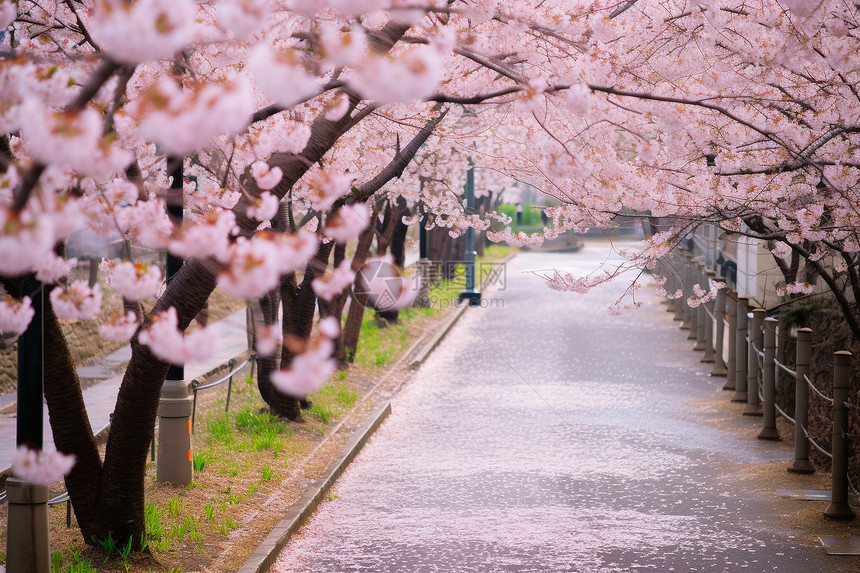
545	434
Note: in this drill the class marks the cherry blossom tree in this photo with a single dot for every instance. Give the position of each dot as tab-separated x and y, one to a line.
295	120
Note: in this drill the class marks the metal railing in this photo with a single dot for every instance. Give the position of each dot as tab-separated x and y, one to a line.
196	386
234	367
749	363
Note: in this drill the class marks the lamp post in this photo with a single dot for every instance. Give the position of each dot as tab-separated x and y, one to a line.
424	266
469	293
174	463
27	547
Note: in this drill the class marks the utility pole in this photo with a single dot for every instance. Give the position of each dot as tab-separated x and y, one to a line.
175	457
27	546
469	293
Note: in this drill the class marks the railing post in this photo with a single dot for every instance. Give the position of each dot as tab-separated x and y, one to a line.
708	323
740	394
719	336
701	315
768	381
732	297
801	463
194	384
753	371
678	283
838	508
174	463
689	322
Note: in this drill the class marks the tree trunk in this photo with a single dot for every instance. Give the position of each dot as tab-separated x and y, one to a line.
298	306
347	344
71	427
121	499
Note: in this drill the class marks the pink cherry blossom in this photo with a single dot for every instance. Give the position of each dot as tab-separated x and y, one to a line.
253	269
579	98
134	281
327	186
256	264
413	75
77	301
799	288
781	250
280	75
518	239
209	237
182	120
142	31
168	343
306	375
334	283
268	339
312	367
294	250
72	139
243	18
41	467
52	268
337	107
265	207
25	241
342	47
348	222
329	327
8	13
266	177
120	329
15	317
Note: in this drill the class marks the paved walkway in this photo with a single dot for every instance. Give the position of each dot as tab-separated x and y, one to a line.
100	397
546	435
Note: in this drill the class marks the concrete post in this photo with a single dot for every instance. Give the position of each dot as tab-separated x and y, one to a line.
174	434
756	318
768	426
660	268
740	394
693	316
699	311
801	464
677	283
687	288
174	463
719	336
28	550
732	297
838	508
708	326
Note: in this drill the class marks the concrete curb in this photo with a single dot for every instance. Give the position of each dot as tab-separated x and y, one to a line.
267	552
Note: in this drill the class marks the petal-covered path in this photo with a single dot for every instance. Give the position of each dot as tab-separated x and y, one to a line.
545	434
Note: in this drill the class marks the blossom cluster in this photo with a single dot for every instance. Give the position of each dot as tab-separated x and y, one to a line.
168	343
312	365
41	467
